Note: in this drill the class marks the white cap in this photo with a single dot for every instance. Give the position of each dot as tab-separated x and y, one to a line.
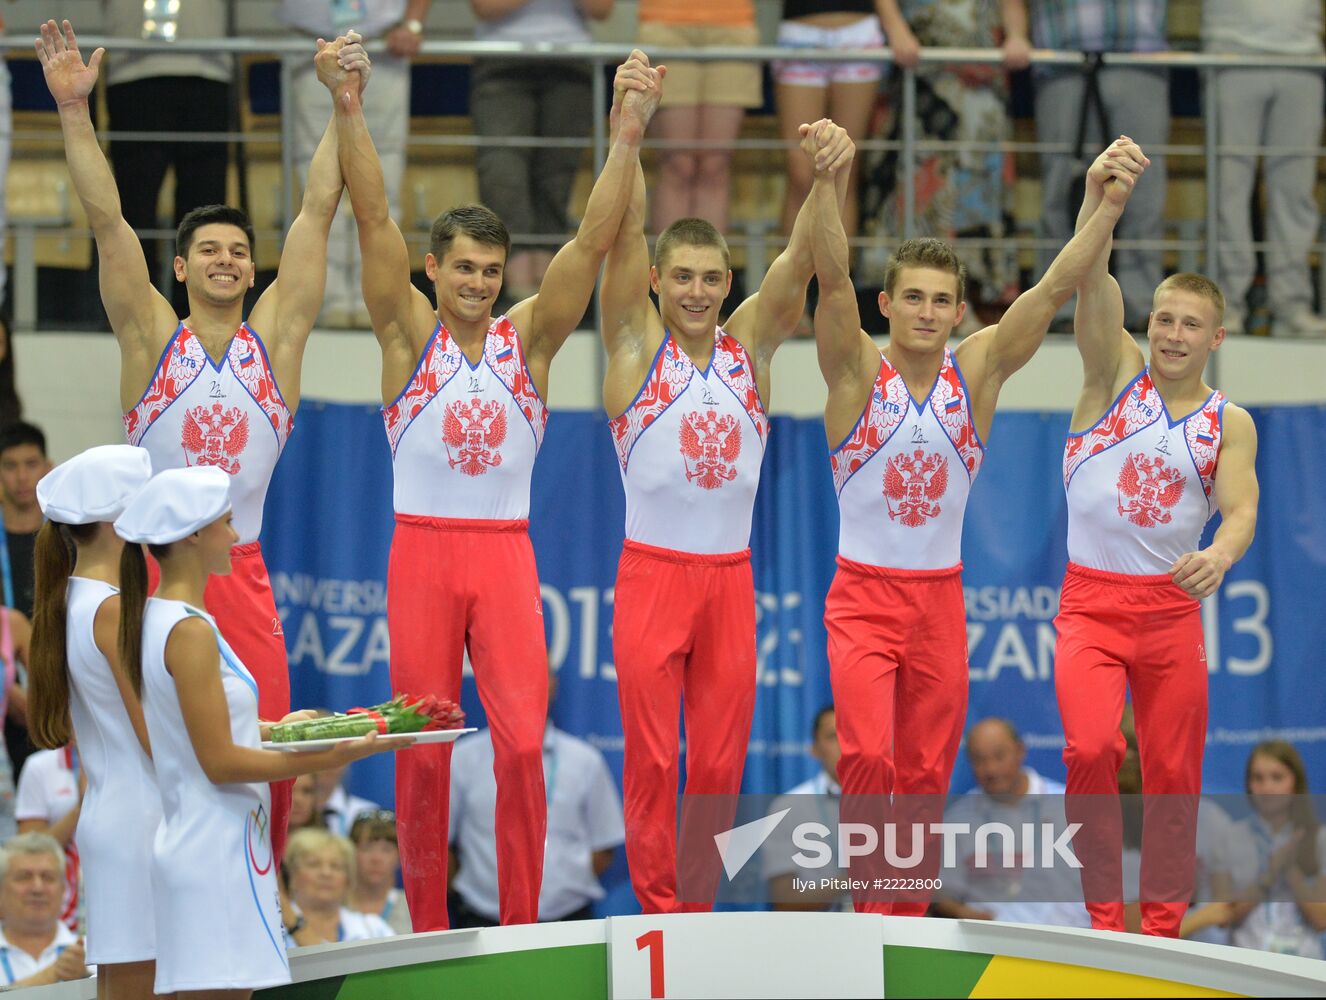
94	485
174	504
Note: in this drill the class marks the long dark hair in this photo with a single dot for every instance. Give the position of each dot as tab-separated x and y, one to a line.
133	599
48	661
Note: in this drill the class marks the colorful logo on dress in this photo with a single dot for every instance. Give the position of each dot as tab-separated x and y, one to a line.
710	444
215	436
473	430
1148	488
913	486
260	843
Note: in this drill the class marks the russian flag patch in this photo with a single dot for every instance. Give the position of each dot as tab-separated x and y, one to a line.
505	355
1205	439
736	370
247	360
953	404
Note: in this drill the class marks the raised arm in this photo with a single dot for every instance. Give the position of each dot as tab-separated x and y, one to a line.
1201	573
549	317
768	318
395	306
848	358
135	309
1102	341
288	308
995	353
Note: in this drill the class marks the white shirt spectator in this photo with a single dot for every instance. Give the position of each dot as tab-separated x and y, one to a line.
1278	924
363	926
1053	896
584	816
48	791
813	801
16	964
342	808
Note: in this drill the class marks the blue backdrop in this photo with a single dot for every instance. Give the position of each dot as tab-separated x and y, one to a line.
328	528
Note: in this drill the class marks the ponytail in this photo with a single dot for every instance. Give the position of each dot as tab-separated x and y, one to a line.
133	599
48	663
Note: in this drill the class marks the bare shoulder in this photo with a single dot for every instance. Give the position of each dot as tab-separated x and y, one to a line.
973	352
1237	425
191	641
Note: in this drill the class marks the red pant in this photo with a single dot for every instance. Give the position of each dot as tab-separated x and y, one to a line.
898	666
455	584
1142	633
683	631
245	614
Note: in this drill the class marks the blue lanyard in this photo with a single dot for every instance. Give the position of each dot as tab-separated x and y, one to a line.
227	655
340	931
5	570
386	910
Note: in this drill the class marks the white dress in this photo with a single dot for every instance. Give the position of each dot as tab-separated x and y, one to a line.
121	808
214	877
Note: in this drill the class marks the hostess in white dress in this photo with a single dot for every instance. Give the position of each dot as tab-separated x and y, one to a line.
121	808
214	877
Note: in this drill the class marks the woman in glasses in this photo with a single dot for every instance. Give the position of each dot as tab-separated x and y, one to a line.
378	860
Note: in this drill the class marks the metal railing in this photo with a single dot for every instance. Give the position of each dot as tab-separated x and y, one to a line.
602	56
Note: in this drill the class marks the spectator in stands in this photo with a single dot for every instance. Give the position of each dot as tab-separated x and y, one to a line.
49	800
844	91
23	462
378	862
399	23
11	407
1014	794
336	806
171	92
705	102
1272	864
815	800
321	869
545	98
36	949
304	811
6	146
585	827
964	193
15	635
1136	103
1276	108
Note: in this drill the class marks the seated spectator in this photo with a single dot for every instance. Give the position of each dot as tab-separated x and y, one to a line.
1271	870
15	634
547	98
336	807
321	874
585	827
1014	794
49	800
36	949
815	800
304	811
378	863
701	101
